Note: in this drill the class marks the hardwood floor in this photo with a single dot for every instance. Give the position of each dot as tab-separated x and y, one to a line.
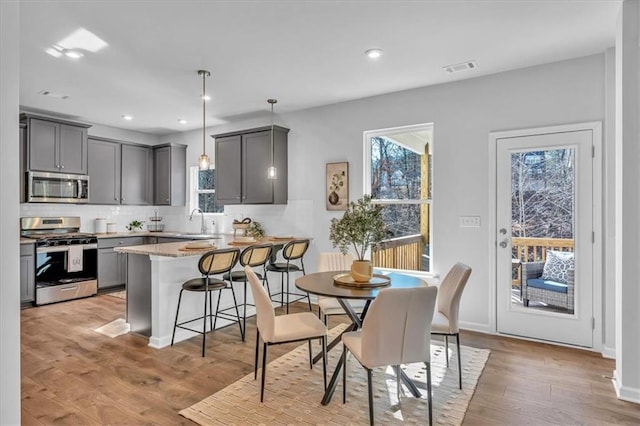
72	375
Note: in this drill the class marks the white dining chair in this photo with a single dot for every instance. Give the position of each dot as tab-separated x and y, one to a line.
445	318
393	333
335	261
275	330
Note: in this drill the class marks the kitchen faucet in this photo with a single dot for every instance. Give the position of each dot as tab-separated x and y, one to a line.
203	229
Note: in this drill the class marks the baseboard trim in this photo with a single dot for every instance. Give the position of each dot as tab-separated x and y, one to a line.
608	352
625	393
476	326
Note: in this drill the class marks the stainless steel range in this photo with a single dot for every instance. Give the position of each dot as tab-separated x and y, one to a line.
66	259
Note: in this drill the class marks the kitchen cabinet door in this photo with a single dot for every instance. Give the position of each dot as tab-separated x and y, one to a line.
44	142
104	172
73	149
170	175
229	169
111	268
27	275
137	168
256	159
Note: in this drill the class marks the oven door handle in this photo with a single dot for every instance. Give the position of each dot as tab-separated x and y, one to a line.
55	249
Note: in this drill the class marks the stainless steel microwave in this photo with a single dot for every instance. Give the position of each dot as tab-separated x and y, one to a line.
45	187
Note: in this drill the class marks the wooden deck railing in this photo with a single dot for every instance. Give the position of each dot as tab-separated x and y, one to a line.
535	249
399	253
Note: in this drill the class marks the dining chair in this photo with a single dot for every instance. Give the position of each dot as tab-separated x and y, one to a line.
393	333
291	252
254	256
335	261
275	330
445	318
211	263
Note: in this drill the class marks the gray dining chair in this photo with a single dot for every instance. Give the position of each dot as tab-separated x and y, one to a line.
393	333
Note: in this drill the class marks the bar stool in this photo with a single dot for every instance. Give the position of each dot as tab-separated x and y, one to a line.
292	251
211	263
252	256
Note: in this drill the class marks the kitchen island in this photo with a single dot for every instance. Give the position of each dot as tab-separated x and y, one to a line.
155	273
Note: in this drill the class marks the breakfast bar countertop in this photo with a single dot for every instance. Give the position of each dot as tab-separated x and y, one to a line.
179	249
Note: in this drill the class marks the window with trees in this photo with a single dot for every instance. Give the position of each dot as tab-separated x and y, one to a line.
398	176
203	191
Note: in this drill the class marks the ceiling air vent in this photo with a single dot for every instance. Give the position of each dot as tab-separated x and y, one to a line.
463	66
53	94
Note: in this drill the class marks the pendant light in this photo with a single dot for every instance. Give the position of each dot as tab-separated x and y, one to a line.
203	162
272	172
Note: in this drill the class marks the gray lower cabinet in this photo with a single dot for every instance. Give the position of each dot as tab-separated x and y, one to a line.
169	175
27	273
119	173
242	161
112	266
56	145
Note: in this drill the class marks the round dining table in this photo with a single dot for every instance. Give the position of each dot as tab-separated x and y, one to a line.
323	284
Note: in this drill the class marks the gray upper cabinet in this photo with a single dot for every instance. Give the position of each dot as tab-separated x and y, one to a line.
119	173
55	146
136	175
170	175
104	171
242	160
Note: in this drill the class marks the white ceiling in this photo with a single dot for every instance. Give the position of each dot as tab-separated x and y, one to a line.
304	53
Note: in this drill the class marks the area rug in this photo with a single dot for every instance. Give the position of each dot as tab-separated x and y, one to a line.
114	329
293	393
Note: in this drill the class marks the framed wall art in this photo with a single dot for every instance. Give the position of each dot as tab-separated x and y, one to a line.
337	184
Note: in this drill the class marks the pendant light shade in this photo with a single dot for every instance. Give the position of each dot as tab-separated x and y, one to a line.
272	171
203	162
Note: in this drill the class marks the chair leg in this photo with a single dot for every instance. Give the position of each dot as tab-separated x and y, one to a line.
244	310
215	319
235	303
264	369
210	311
287	292
175	324
446	349
370	386
310	355
204	323
459	361
324	361
282	291
398	383
344	375
255	363
428	364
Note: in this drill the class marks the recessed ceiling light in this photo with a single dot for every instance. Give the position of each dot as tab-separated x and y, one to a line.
373	53
182	121
127	117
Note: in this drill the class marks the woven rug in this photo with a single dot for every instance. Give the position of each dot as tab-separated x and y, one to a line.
293	392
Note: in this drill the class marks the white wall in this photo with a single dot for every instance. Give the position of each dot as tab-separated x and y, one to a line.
463	113
9	257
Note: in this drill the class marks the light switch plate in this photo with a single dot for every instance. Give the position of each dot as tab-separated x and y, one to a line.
469	221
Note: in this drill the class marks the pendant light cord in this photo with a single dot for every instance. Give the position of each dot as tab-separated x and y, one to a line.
204	106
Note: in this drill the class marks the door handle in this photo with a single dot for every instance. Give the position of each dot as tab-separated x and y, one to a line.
504	243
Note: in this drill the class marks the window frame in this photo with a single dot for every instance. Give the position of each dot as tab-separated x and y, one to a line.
367	135
194	191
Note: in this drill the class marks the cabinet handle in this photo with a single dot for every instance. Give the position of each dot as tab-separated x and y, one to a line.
115	198
62	167
167	199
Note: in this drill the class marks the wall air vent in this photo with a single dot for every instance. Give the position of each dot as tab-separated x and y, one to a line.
463	66
53	94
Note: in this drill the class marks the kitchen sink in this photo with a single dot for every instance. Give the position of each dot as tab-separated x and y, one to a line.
199	236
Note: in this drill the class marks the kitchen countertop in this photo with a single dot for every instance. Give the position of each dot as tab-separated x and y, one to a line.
178	249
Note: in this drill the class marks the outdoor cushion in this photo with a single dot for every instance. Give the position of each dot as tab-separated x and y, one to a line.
557	265
547	285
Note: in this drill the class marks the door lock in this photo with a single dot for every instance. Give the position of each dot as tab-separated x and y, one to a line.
504	244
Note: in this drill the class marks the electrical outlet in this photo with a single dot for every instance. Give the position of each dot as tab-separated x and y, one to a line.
469	221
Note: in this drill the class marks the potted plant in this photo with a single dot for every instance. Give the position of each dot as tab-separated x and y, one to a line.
360	227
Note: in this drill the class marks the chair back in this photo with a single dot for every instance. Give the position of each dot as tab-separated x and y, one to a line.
334	261
265	314
218	261
397	328
256	255
295	249
450	293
